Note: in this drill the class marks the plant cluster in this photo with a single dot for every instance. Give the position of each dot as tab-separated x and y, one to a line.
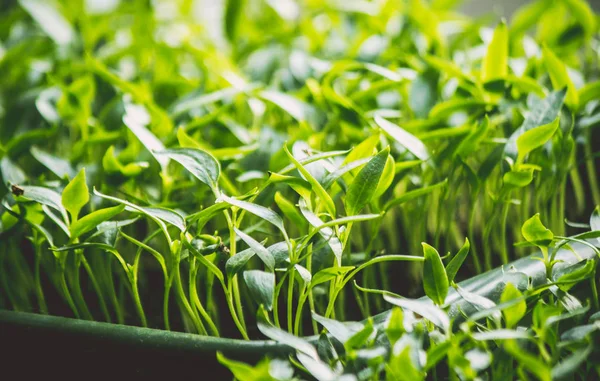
283	165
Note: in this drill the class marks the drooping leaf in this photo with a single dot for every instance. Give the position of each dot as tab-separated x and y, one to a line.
258	210
199	163
283	337
406	139
60	167
427	310
262	286
167	215
258	248
341	331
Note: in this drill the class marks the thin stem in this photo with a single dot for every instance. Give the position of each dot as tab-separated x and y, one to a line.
290	299
186	304
38	284
196	300
78	294
591	168
96	287
504	252
66	294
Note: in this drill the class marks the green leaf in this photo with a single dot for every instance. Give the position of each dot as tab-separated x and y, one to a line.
299	110
259	211
423	93
262	286
535	232
365	183
44	196
430	312
136	118
569	365
236	262
245	372
233	11
258	248
360	338
60	167
401	367
530	362
50	20
535	138
288	339
331	178
495	62
301	186
518	178
140	209
589	92
341	331
514	313
11	172
167	215
314	366
560	78
316	186
92	220
75	195
406	139
457	261
575	273
329	273
472	141
290	211
199	163
501	334
541	112
326	232
435	279
411	195
395	325
387	177
584	14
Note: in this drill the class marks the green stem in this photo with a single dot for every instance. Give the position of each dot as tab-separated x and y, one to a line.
186	304
591	168
196	300
504	252
234	316
235	289
111	290
38	284
96	287
290	299
67	294
77	293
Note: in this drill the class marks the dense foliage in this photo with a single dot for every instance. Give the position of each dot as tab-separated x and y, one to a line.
281	164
